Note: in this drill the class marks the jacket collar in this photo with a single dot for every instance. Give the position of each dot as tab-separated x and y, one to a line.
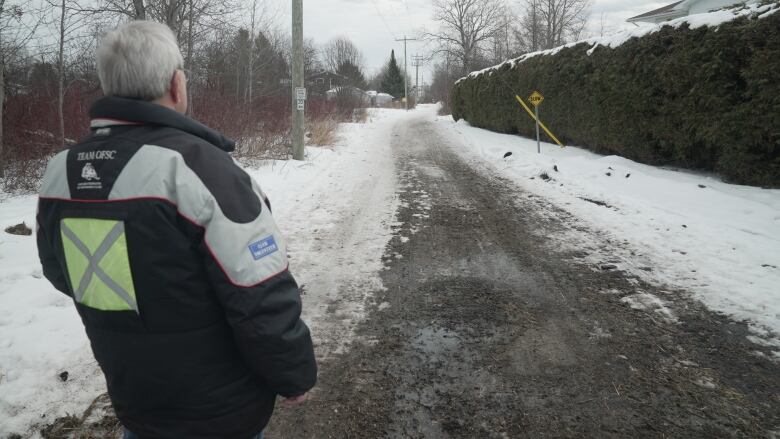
112	110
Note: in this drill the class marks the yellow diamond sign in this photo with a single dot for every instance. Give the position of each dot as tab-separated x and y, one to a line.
536	98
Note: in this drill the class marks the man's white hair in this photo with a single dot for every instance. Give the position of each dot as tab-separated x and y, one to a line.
137	60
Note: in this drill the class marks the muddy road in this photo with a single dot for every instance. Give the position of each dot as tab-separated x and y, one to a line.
484	332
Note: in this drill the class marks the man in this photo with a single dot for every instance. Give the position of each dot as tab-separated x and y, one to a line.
171	255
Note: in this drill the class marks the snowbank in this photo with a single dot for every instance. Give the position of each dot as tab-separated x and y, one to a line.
710	19
717	240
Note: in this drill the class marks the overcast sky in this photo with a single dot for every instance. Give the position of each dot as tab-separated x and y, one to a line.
374	25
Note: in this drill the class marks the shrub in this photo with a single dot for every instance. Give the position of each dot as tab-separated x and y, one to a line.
261	130
705	98
321	131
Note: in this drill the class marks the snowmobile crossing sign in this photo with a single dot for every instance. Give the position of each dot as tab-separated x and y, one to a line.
535	117
536	99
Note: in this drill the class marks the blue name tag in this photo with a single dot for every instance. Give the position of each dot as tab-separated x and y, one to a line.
263	248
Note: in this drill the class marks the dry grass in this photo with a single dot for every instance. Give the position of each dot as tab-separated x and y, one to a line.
97	422
322	132
264	145
360	115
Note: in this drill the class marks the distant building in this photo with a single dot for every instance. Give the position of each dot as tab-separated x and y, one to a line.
682	9
380	99
319	83
348	90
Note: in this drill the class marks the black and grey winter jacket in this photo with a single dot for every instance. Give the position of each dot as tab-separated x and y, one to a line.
178	271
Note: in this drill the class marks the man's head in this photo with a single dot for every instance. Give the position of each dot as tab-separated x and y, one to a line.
141	60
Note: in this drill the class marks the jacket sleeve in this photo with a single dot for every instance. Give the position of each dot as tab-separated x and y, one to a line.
54	184
246	261
52	270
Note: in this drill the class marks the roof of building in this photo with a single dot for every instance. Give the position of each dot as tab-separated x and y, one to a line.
324	73
346	87
660	11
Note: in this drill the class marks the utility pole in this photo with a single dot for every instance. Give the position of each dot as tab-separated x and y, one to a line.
297	86
418	61
406	72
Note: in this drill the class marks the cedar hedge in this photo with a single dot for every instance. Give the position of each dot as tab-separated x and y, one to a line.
706	98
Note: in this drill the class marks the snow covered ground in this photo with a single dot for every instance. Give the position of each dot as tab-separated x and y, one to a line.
338	207
676	228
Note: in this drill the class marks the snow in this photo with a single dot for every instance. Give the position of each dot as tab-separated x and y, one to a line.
709	19
336	207
672	228
341	208
40	335
647	301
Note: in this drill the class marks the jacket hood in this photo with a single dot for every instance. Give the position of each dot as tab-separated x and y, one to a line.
149	113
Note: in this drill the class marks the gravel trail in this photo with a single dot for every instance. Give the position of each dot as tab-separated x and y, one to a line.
483	331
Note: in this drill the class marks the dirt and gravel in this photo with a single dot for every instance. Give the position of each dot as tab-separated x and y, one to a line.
485	332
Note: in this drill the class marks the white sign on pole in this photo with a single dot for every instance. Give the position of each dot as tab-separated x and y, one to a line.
301	104
300	93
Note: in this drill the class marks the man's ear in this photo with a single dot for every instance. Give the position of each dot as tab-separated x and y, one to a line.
177	86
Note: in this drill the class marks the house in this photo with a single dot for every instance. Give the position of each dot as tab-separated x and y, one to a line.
319	83
683	8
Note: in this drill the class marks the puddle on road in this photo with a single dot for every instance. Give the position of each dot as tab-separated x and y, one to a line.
542	351
432	172
435	342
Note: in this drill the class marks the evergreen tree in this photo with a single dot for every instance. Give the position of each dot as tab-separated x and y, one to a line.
353	74
393	82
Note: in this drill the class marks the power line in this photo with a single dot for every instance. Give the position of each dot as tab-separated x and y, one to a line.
408	17
383	20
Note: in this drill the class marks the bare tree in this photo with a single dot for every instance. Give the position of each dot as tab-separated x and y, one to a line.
251	60
502	47
61	71
15	32
603	28
311	56
545	24
182	16
69	24
340	51
261	47
564	20
529	33
465	26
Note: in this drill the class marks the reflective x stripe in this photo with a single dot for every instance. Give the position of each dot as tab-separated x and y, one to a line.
94	261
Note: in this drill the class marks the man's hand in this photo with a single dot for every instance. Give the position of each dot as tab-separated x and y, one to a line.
294	400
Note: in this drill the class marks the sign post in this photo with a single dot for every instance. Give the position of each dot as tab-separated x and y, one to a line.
536	99
536	118
300	97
